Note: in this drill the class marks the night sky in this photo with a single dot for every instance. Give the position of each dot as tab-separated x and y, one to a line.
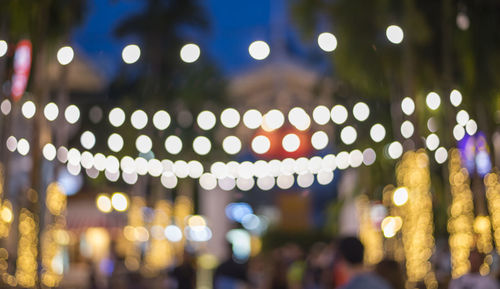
233	26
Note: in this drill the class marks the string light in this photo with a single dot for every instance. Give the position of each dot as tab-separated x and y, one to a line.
460	223
417	217
368	234
394	34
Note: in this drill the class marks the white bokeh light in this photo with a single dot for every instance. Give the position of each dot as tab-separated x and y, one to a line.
455	98
208	181
339	114
408	106
230	117
265	183
433	100
131	53
168	180
161	120
72	114
305	180
65	55
321	115
116	117
458	132
291	142
361	111
206	120
195	169
143	144
355	158
261	144
115	142
325	177
4	47
377	132
348	135
6	106
441	155
272	120
369	156
432	141
28	109
394	34
139	119
49	151
87	139
231	145
252	119
319	140
190	53
395	150
471	127
51	111
11	143
327	41
23	147
202	145
245	184
173	144
462	117
407	129
298	117
259	50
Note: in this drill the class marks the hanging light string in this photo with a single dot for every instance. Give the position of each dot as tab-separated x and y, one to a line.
461	220
412	172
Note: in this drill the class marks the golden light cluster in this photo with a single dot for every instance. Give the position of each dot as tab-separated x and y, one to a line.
134	233
461	221
27	251
493	198
54	238
53	241
413	173
369	234
56	199
160	253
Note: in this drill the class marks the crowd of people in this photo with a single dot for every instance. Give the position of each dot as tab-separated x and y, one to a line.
336	265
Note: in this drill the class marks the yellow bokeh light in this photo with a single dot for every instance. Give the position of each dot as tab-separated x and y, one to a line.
196	220
103	203
6	214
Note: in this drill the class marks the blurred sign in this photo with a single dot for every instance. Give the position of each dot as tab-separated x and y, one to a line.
22	65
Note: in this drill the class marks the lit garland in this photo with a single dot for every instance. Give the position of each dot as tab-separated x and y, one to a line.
393	246
183	208
493	198
413	173
27	252
54	237
460	223
135	233
369	235
160	251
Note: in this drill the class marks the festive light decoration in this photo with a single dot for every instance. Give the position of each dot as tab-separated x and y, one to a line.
460	223
413	173
54	238
27	252
160	252
133	233
369	234
493	197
